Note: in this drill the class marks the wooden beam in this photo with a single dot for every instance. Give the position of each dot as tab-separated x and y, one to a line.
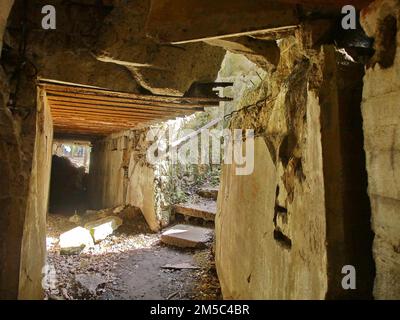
61	118
123	101
133	96
91	129
115	105
100	125
87	110
107	112
103	115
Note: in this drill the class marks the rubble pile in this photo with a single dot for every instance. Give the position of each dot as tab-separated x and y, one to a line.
80	260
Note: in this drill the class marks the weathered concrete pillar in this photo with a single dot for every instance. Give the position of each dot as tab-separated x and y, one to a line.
34	229
25	144
381	116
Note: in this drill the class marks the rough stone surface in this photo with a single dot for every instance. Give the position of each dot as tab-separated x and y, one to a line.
161	69
187	236
75	240
14	183
90	282
102	228
72	43
381	116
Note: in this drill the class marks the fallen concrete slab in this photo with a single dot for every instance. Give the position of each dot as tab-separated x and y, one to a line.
75	240
187	236
102	228
205	209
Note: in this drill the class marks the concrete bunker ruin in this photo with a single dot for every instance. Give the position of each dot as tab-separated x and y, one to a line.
321	101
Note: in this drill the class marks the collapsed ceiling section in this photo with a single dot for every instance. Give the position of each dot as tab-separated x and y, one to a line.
78	109
158	54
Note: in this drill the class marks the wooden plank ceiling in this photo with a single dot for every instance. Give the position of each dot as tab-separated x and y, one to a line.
86	110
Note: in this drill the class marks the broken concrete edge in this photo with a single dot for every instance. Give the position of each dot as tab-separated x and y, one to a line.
104	227
79	238
187	236
75	240
196	211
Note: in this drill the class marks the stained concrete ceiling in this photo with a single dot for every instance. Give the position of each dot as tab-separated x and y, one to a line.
209	20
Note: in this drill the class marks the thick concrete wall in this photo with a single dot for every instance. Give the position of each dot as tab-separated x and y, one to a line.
106	174
25	167
34	233
381	115
17	141
119	175
267	268
292	221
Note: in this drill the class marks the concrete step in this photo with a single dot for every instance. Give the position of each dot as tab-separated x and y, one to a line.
204	209
187	236
208	192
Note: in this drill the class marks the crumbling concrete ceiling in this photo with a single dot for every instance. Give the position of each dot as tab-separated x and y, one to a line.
160	68
198	21
242	26
102	43
208	20
117	44
64	53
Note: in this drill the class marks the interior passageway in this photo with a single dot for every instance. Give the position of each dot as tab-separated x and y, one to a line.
185	149
99	244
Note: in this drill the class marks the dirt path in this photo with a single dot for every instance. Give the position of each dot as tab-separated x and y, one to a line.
141	275
128	265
